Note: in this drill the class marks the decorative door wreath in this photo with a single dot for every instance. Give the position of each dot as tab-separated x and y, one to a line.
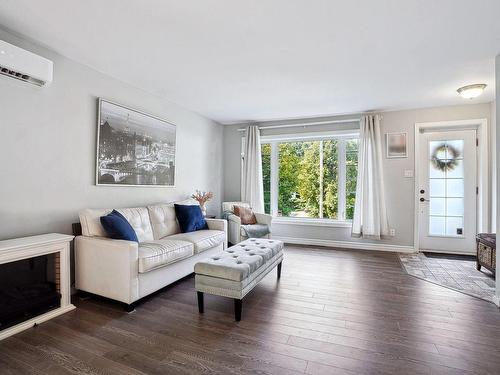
448	164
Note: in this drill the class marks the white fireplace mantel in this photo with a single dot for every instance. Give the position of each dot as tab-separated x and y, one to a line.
30	247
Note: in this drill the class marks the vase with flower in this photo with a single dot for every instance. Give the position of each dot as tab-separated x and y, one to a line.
202	197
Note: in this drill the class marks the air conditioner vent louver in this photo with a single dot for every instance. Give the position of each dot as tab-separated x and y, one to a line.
20	76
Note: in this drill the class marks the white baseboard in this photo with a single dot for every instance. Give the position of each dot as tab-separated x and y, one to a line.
496	300
347	244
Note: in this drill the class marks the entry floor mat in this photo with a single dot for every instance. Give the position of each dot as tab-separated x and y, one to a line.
456	272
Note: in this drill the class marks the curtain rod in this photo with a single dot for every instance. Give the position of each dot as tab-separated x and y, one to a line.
326	122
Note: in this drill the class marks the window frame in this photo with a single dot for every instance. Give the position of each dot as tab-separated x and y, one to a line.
274	140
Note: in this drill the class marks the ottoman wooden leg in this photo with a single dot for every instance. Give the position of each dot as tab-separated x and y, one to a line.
129	307
279	269
237	309
200	302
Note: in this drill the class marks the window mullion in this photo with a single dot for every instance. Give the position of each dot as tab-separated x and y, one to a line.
341	180
274	178
321	179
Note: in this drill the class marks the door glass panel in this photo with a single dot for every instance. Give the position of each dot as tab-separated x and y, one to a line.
454	226
455	188
454	206
446	187
436	173
457	171
435	148
438	206
455	149
437	225
437	187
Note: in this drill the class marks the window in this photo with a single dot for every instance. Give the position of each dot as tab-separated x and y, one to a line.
310	178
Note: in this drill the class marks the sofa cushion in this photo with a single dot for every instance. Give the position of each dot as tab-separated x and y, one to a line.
139	220
190	218
202	239
90	219
163	220
117	227
159	253
246	215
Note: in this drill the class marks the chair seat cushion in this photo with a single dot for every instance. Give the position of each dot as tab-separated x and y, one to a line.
240	261
255	230
159	253
202	239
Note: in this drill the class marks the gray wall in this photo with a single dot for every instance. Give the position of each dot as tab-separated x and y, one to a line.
497	118
493	166
47	148
400	190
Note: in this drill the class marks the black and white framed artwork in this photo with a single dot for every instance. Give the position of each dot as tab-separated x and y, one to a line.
133	148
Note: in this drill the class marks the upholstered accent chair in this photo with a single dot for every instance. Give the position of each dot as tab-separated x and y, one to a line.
236	232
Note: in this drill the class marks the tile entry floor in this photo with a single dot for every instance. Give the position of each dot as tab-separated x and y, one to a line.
455	272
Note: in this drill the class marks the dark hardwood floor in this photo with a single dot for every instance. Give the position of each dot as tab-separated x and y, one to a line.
333	312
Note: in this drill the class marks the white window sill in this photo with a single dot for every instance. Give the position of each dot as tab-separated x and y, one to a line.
313	222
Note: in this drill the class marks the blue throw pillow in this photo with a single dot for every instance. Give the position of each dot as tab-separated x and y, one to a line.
117	227
190	218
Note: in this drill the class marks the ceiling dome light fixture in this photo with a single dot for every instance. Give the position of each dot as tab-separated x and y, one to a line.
471	91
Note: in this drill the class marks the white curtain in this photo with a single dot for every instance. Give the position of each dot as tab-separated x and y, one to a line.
252	189
370	213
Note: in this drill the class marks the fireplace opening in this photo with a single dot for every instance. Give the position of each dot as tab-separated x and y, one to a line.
28	288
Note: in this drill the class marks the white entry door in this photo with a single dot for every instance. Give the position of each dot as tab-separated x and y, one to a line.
447	191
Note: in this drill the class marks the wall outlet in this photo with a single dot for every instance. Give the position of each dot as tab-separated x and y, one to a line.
392	232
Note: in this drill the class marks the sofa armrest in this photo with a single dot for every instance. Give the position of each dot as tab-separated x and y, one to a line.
232	218
218	224
234	227
264	219
107	267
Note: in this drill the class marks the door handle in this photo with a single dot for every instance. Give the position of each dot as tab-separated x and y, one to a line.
424	200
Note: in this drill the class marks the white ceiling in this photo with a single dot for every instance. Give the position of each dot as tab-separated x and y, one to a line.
237	60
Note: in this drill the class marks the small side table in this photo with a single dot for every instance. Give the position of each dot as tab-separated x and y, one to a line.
486	251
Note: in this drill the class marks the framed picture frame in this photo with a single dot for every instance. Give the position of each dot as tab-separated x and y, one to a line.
133	148
396	145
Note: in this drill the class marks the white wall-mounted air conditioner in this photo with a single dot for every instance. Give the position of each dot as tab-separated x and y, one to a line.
20	64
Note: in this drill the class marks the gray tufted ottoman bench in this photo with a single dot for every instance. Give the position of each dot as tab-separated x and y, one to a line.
234	272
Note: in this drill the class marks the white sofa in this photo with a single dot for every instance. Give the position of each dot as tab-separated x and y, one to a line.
127	271
236	233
